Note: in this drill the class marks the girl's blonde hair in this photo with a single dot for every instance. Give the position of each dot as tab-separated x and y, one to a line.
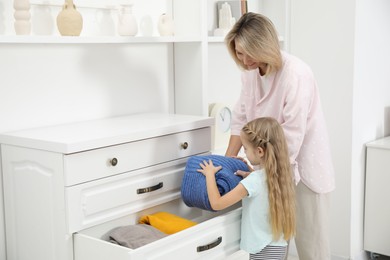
257	36
267	133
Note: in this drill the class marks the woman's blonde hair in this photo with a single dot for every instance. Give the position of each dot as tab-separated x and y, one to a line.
257	36
267	133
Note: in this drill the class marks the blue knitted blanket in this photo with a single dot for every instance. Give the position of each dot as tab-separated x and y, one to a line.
193	188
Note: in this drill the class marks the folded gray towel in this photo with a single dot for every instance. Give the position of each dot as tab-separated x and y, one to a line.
135	236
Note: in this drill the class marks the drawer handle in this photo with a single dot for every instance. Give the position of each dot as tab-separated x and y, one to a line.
209	246
150	189
184	145
114	161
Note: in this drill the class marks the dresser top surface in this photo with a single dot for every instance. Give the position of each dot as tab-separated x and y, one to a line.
87	135
383	143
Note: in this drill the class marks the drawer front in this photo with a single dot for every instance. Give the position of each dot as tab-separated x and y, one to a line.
102	200
108	161
216	238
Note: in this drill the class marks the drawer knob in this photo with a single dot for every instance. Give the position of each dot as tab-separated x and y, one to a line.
150	189
114	161
184	145
209	246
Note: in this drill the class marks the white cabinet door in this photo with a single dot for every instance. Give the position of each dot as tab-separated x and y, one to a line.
34	202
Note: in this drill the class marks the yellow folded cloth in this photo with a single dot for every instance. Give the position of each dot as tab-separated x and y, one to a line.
166	222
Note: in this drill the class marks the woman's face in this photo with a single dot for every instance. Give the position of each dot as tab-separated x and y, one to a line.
249	63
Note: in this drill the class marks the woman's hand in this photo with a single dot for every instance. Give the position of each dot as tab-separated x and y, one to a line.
242	173
208	168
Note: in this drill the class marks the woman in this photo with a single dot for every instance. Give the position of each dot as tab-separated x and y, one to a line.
279	85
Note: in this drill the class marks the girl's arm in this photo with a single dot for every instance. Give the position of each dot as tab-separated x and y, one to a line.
217	201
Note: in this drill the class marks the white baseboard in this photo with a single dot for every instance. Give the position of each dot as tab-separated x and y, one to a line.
363	255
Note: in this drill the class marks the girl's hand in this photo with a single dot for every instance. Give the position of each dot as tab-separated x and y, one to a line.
208	168
242	173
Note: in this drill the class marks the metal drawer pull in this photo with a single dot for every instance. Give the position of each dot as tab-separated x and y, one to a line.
209	246
149	189
114	161
184	145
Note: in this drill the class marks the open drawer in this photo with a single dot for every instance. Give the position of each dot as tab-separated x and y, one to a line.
216	236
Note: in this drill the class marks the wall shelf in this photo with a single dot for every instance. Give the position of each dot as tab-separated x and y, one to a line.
26	39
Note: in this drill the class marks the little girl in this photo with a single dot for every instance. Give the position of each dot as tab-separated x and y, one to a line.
267	194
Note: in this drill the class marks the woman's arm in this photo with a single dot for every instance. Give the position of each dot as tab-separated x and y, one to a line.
218	202
234	146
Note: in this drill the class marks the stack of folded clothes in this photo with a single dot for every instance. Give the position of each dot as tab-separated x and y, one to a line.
166	222
193	187
134	236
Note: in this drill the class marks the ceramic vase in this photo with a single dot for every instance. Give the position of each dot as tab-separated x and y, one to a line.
225	22
127	24
42	20
105	23
22	17
146	26
165	25
69	20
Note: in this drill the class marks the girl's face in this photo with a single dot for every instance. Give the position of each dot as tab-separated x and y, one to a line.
250	63
253	154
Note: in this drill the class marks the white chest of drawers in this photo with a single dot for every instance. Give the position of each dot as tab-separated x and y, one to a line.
66	186
377	192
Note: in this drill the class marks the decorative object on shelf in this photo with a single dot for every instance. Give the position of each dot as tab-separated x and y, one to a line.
146	26
127	24
220	133
225	20
2	18
105	22
69	20
165	25
42	19
22	17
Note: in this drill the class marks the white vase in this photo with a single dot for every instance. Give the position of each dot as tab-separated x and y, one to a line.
22	17
146	26
127	24
165	25
225	21
105	23
42	20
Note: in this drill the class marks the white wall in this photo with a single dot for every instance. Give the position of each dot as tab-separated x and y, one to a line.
44	84
345	42
323	37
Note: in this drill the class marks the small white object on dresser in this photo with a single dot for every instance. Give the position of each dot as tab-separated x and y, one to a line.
377	208
66	186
